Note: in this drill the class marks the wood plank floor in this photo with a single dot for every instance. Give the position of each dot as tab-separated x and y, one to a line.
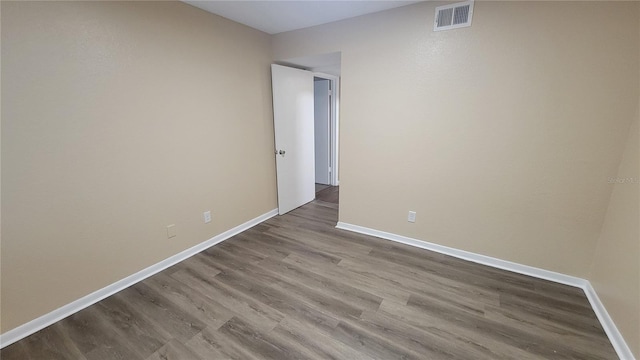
327	194
295	287
320	187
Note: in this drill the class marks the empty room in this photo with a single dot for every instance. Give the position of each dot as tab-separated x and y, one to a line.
320	180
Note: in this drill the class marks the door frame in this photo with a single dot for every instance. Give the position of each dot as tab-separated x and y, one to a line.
334	125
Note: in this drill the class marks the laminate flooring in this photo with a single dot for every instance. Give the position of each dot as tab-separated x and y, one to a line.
320	187
294	287
328	194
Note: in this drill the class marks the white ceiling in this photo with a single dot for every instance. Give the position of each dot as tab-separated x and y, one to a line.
275	17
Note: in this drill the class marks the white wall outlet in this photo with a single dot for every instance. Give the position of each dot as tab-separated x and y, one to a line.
207	216
411	217
171	231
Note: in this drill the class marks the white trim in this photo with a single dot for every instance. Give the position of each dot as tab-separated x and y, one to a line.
618	342
466	255
607	323
43	321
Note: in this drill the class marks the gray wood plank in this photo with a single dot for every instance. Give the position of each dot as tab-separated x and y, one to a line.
334	288
362	282
141	336
278	299
210	312
175	350
320	342
49	343
95	338
261	345
212	344
466	337
167	317
258	314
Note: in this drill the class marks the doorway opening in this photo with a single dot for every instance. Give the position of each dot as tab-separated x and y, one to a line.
326	136
324	76
322	130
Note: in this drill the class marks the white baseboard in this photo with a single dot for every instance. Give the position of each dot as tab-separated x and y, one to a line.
43	321
466	255
621	347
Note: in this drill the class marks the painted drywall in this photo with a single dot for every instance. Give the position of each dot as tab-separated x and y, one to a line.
615	273
119	119
500	136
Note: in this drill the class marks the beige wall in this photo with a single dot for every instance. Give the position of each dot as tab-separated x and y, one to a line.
615	273
501	135
122	118
118	120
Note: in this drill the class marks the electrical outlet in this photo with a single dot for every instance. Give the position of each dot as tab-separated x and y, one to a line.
411	217
207	216
171	231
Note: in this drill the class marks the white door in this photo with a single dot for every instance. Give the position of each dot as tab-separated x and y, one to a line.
293	125
322	130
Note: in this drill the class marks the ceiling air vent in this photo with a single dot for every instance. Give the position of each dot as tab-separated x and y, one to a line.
453	16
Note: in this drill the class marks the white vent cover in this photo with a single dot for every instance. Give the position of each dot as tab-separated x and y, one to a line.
453	16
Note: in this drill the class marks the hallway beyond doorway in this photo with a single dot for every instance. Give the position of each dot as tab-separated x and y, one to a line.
327	193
